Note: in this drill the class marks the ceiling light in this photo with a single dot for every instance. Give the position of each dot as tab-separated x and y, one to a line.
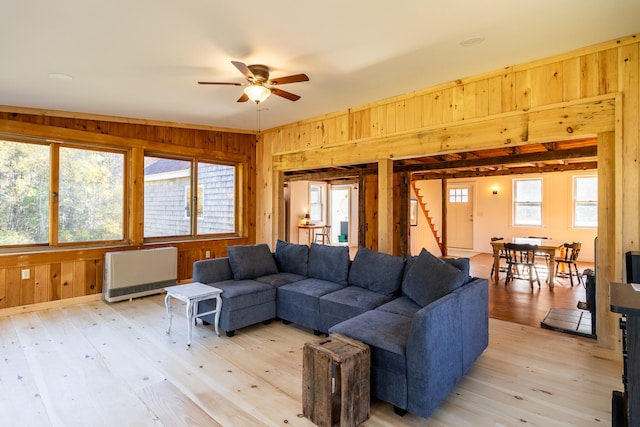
60	76
474	41
257	93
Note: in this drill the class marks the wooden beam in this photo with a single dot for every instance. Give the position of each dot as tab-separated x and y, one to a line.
450	174
385	206
574	153
550	123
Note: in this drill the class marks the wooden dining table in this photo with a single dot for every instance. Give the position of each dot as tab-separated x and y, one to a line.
547	246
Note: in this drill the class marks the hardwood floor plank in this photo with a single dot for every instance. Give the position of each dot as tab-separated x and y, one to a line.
83	361
76	385
18	388
173	407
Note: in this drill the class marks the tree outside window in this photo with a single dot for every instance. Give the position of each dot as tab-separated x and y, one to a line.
24	193
88	194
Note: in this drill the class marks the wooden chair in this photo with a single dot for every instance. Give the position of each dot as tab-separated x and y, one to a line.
570	258
502	255
543	255
521	258
323	236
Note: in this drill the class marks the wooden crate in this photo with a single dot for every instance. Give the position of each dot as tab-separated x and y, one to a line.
335	385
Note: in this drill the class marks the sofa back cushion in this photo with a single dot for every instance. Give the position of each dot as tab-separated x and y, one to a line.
377	272
329	263
462	264
251	261
292	258
429	278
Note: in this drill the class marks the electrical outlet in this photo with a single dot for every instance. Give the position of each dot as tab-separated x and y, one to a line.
207	254
26	274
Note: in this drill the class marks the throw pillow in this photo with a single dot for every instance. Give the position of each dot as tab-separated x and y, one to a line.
251	261
430	278
377	272
329	263
292	258
462	264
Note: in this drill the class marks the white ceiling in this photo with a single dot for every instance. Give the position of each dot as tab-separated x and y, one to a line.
142	58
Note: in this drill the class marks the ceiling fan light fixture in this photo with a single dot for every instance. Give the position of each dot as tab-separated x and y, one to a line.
257	93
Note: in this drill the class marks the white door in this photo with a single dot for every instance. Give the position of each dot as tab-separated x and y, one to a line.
460	216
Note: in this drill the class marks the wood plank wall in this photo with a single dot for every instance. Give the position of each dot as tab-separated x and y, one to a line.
552	98
60	273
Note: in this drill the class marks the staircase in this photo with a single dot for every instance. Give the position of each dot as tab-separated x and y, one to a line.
425	211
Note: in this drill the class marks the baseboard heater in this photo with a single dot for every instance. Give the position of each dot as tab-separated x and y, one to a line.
131	274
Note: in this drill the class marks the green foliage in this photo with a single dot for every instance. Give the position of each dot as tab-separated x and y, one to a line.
91	194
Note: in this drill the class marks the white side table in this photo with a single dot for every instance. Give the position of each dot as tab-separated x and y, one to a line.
191	294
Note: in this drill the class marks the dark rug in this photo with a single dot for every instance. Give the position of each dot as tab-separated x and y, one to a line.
576	322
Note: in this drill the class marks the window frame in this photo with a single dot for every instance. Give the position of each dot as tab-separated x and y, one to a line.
575	201
192	182
516	203
54	191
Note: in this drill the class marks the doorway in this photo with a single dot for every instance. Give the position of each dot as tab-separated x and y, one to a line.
460	216
340	214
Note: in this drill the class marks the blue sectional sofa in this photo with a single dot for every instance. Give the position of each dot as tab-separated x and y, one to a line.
424	318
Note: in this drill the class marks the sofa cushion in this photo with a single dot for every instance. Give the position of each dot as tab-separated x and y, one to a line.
462	264
386	333
299	302
279	279
238	294
329	263
292	258
376	271
430	278
347	303
402	305
251	261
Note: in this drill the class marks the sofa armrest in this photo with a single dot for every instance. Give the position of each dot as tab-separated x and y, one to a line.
434	354
474	317
212	270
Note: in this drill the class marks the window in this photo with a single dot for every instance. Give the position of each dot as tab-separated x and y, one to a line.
458	195
168	199
316	202
90	196
527	202
24	193
87	193
585	201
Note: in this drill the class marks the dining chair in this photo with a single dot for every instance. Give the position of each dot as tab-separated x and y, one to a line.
323	236
570	259
521	259
543	255
501	255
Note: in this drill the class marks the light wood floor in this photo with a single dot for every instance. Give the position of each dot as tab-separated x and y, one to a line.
99	364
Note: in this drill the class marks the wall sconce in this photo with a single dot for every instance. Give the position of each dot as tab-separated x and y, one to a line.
494	190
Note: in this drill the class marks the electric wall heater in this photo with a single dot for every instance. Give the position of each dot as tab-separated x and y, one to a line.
131	274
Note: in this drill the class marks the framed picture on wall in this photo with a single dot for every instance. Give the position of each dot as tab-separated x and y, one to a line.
413	212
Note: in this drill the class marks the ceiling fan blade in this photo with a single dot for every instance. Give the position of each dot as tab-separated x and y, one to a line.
290	79
221	83
243	98
242	67
290	96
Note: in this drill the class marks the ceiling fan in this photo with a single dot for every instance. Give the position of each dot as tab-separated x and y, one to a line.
259	86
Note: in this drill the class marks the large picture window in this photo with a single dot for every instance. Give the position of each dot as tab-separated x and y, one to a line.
585	201
527	202
24	193
169	201
87	193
